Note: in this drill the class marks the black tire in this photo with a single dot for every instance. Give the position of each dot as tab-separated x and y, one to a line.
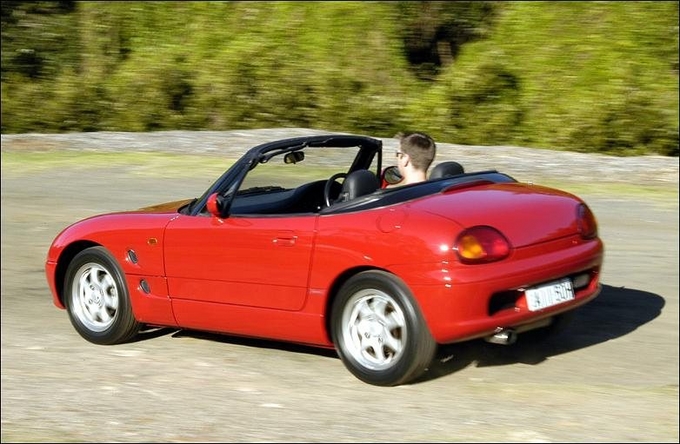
97	299
378	330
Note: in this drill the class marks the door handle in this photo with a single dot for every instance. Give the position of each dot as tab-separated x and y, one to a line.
287	241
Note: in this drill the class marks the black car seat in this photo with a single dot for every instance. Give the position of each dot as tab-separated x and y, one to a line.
358	183
446	169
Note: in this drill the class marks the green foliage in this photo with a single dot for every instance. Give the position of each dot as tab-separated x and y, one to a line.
36	39
631	127
434	32
582	76
479	104
590	78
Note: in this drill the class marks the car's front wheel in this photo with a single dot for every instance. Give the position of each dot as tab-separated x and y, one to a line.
97	299
379	331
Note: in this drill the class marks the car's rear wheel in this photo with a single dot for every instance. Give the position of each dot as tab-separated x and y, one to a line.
97	299
379	331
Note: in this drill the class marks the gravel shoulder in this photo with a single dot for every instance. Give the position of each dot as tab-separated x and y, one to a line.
519	161
611	376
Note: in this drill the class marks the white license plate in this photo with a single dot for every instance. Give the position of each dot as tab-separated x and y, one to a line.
550	294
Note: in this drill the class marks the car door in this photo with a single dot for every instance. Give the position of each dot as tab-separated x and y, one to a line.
246	260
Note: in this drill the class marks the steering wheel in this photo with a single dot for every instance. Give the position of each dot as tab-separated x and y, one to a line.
329	184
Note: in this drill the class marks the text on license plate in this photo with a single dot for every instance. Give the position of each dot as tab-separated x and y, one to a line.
549	294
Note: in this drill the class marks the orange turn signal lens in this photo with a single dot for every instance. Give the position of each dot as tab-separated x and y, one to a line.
481	244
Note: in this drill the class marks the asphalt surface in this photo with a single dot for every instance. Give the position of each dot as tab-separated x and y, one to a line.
610	376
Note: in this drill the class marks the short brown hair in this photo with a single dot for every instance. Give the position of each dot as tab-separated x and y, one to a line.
420	147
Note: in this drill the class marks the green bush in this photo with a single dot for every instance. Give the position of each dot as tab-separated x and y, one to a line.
582	76
633	127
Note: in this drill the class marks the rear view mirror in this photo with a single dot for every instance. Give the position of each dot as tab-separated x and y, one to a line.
294	157
215	204
391	175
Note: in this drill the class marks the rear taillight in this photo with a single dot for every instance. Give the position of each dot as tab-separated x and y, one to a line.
481	244
587	224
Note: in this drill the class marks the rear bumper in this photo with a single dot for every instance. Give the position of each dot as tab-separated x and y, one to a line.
479	300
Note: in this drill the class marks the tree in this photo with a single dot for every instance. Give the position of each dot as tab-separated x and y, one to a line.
433	32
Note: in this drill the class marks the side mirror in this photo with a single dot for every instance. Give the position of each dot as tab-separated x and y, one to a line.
294	157
214	204
391	176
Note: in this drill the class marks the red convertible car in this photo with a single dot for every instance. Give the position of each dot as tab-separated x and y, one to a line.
301	240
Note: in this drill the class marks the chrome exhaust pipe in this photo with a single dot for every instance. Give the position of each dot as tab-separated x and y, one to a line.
503	336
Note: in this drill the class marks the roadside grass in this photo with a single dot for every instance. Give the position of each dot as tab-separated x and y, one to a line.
139	163
665	194
147	164
169	165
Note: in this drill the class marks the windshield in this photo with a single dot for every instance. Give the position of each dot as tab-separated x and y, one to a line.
318	164
298	167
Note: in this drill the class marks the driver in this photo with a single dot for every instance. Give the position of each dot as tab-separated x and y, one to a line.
416	153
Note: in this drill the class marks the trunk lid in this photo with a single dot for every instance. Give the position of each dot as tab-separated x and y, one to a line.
526	214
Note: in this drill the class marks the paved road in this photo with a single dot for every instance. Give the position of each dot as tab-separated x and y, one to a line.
612	376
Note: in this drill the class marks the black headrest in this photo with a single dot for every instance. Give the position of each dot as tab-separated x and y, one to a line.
358	183
446	169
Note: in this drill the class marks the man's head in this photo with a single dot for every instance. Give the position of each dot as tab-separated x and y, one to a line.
416	151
